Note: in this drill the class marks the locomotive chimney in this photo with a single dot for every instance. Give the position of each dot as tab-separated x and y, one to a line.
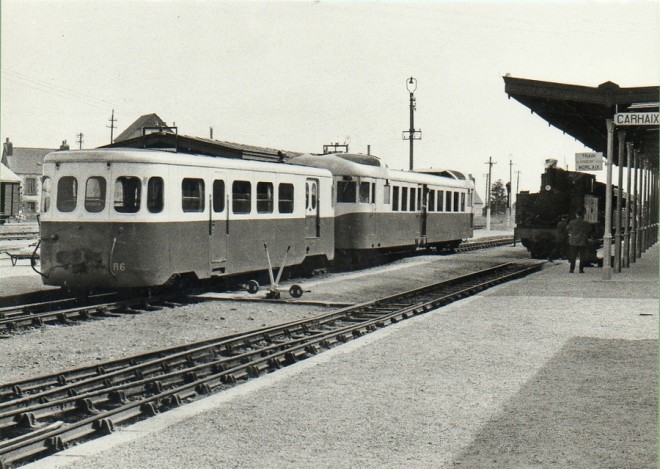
64	146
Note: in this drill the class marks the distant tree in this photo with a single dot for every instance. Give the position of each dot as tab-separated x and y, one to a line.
498	198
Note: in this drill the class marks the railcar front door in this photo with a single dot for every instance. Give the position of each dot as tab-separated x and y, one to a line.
312	213
423	210
218	226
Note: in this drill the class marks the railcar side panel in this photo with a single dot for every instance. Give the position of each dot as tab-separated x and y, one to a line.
399	229
139	218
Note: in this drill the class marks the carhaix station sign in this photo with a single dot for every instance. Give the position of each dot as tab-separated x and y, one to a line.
636	118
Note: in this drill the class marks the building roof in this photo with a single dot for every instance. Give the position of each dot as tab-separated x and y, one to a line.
582	111
27	160
135	129
7	175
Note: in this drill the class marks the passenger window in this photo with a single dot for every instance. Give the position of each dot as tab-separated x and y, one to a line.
404	199
127	194
441	201
95	194
448	201
364	192
431	202
373	192
386	195
346	192
46	189
264	197
462	201
241	196
285	198
218	195
192	195
67	194
395	199
412	199
155	195
455	202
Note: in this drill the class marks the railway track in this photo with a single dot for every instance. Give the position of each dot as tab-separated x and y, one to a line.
70	310
19	235
53	308
46	414
485	243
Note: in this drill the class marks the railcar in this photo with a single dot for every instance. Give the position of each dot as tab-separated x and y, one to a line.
121	217
562	192
379	210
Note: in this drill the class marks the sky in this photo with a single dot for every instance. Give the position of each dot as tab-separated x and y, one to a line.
302	74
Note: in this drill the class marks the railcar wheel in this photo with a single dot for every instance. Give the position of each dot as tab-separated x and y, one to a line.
296	291
252	287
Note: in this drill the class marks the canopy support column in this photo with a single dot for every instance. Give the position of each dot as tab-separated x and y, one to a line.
607	236
626	217
619	195
635	230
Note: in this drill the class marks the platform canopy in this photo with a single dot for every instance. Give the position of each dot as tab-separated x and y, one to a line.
582	111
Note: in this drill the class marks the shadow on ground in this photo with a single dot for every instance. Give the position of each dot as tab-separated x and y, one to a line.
594	405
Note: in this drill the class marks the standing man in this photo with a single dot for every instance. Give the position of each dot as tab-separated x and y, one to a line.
578	232
561	244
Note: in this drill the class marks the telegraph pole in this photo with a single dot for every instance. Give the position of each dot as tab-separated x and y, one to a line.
80	140
490	164
412	134
112	125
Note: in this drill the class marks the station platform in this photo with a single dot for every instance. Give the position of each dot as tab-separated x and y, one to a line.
553	370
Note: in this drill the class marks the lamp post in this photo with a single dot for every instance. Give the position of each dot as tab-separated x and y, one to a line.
412	134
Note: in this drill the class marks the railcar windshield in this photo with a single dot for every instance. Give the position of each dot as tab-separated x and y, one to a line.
346	192
364	192
95	194
155	195
127	194
46	189
67	194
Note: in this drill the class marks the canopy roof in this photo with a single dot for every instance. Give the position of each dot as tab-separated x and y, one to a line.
582	111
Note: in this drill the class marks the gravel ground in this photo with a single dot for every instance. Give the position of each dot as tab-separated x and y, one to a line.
522	375
52	348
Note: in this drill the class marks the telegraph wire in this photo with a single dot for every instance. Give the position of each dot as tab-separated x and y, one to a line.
45	87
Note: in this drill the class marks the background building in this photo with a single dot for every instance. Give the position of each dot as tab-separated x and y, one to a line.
26	163
9	193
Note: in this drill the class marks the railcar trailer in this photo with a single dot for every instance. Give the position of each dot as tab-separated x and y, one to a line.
379	210
120	217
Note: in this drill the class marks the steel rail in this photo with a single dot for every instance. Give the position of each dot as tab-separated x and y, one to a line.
198	379
26	310
16	319
18	388
55	311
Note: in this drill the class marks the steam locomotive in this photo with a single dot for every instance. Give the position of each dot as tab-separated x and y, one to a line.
562	192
